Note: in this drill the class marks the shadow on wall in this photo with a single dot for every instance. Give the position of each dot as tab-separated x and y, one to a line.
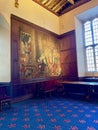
3	22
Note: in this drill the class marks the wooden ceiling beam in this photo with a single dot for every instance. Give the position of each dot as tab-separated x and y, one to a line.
71	1
77	4
59	5
53	4
48	3
44	1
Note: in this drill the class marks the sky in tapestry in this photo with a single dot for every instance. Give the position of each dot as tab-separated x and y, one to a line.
39	55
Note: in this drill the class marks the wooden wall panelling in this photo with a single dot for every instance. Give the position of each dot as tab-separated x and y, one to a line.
69	70
68	55
23	91
68	41
14	50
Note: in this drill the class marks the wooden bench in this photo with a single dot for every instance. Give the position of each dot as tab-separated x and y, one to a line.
80	87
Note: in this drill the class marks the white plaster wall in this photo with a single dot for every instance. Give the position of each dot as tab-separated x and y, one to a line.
67	21
4	54
32	12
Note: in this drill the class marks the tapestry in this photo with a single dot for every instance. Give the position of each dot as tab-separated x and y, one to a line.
39	55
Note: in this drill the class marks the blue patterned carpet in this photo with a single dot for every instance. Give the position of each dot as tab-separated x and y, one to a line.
50	114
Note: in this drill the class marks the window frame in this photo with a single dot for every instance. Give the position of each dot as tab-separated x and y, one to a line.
93	45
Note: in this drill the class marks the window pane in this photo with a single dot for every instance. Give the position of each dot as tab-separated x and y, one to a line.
95	30
90	59
96	56
88	33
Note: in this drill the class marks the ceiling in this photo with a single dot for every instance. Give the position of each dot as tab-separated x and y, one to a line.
59	7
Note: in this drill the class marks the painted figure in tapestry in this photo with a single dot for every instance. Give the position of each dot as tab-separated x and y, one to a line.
49	63
25	55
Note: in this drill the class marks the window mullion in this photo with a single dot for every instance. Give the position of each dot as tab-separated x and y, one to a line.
93	44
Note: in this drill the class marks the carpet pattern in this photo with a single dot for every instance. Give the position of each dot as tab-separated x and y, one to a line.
50	114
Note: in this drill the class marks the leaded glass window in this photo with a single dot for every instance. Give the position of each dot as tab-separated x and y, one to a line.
91	44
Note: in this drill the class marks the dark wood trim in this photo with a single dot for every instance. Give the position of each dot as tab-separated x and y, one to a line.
5	83
22	98
65	34
36	80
